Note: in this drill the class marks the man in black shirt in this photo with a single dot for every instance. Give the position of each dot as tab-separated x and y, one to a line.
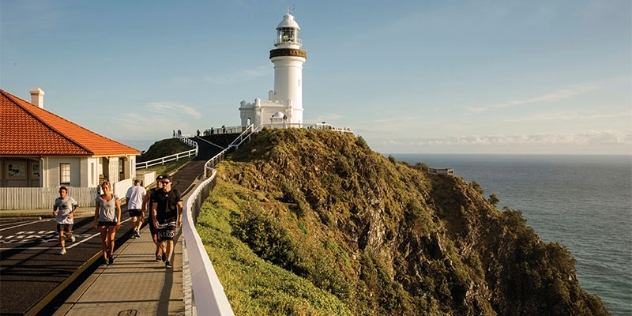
160	247
166	208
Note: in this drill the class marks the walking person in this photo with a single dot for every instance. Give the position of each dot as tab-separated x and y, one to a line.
107	220
135	196
166	207
64	210
160	246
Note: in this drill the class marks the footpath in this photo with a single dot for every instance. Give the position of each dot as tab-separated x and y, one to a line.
137	284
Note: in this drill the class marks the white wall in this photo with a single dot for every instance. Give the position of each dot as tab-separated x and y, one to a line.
288	85
52	171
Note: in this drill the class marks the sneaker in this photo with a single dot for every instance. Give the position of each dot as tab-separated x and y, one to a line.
105	261
164	257
168	265
72	238
63	251
111	259
158	257
137	233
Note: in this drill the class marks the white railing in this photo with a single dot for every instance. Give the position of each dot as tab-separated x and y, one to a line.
185	139
208	297
224	130
165	159
245	135
324	126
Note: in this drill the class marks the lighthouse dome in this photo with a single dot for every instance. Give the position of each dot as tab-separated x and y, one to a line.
288	21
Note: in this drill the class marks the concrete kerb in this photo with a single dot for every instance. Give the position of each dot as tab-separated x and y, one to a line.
35	310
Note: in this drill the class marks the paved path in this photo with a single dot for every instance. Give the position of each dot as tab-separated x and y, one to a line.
137	284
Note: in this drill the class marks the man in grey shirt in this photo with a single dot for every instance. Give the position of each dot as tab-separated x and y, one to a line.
63	210
135	195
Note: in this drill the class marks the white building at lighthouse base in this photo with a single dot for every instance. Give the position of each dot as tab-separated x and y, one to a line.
270	113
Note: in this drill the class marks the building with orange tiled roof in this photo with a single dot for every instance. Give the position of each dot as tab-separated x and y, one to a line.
41	149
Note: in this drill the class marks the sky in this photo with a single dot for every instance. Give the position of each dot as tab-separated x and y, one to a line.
412	76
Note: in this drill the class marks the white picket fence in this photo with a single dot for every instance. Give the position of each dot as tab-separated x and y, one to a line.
43	198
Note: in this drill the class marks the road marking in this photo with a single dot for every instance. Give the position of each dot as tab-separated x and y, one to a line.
76	243
51	237
27	223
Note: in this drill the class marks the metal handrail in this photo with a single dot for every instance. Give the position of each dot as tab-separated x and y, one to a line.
211	163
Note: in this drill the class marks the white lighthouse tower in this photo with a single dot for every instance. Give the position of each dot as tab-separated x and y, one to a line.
284	107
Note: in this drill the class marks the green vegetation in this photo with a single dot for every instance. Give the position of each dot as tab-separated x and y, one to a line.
163	148
493	199
313	222
168	167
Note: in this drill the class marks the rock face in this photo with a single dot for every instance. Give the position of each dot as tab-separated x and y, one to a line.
389	238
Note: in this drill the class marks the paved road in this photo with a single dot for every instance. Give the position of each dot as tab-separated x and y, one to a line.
31	268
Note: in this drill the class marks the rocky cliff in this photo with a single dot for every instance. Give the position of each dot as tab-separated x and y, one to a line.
374	236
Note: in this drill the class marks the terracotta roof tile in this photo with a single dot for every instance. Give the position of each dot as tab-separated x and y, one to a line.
26	129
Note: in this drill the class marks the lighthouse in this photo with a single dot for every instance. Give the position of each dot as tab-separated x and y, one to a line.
284	107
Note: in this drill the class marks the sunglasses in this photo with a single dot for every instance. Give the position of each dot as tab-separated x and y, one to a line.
166	182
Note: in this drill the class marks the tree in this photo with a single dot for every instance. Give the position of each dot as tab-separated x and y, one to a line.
493	199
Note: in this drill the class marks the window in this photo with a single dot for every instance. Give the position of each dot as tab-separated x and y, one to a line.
287	34
121	168
64	173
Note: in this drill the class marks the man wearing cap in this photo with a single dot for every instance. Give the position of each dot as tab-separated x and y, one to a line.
160	247
166	208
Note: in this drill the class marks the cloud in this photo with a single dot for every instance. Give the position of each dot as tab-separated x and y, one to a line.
586	138
548	97
154	117
240	76
568	116
172	109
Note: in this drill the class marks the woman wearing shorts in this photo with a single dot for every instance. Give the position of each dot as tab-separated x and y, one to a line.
107	220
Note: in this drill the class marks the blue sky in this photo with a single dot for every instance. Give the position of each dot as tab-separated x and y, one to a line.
408	76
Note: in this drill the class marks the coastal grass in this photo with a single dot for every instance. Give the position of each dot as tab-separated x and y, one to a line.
253	285
168	167
163	148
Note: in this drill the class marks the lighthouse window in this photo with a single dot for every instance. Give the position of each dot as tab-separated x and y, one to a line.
287	35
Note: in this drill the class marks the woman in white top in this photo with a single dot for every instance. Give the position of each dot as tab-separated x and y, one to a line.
107	220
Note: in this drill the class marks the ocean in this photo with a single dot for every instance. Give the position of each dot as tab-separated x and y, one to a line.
583	202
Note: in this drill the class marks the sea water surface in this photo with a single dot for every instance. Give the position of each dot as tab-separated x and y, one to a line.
583	202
